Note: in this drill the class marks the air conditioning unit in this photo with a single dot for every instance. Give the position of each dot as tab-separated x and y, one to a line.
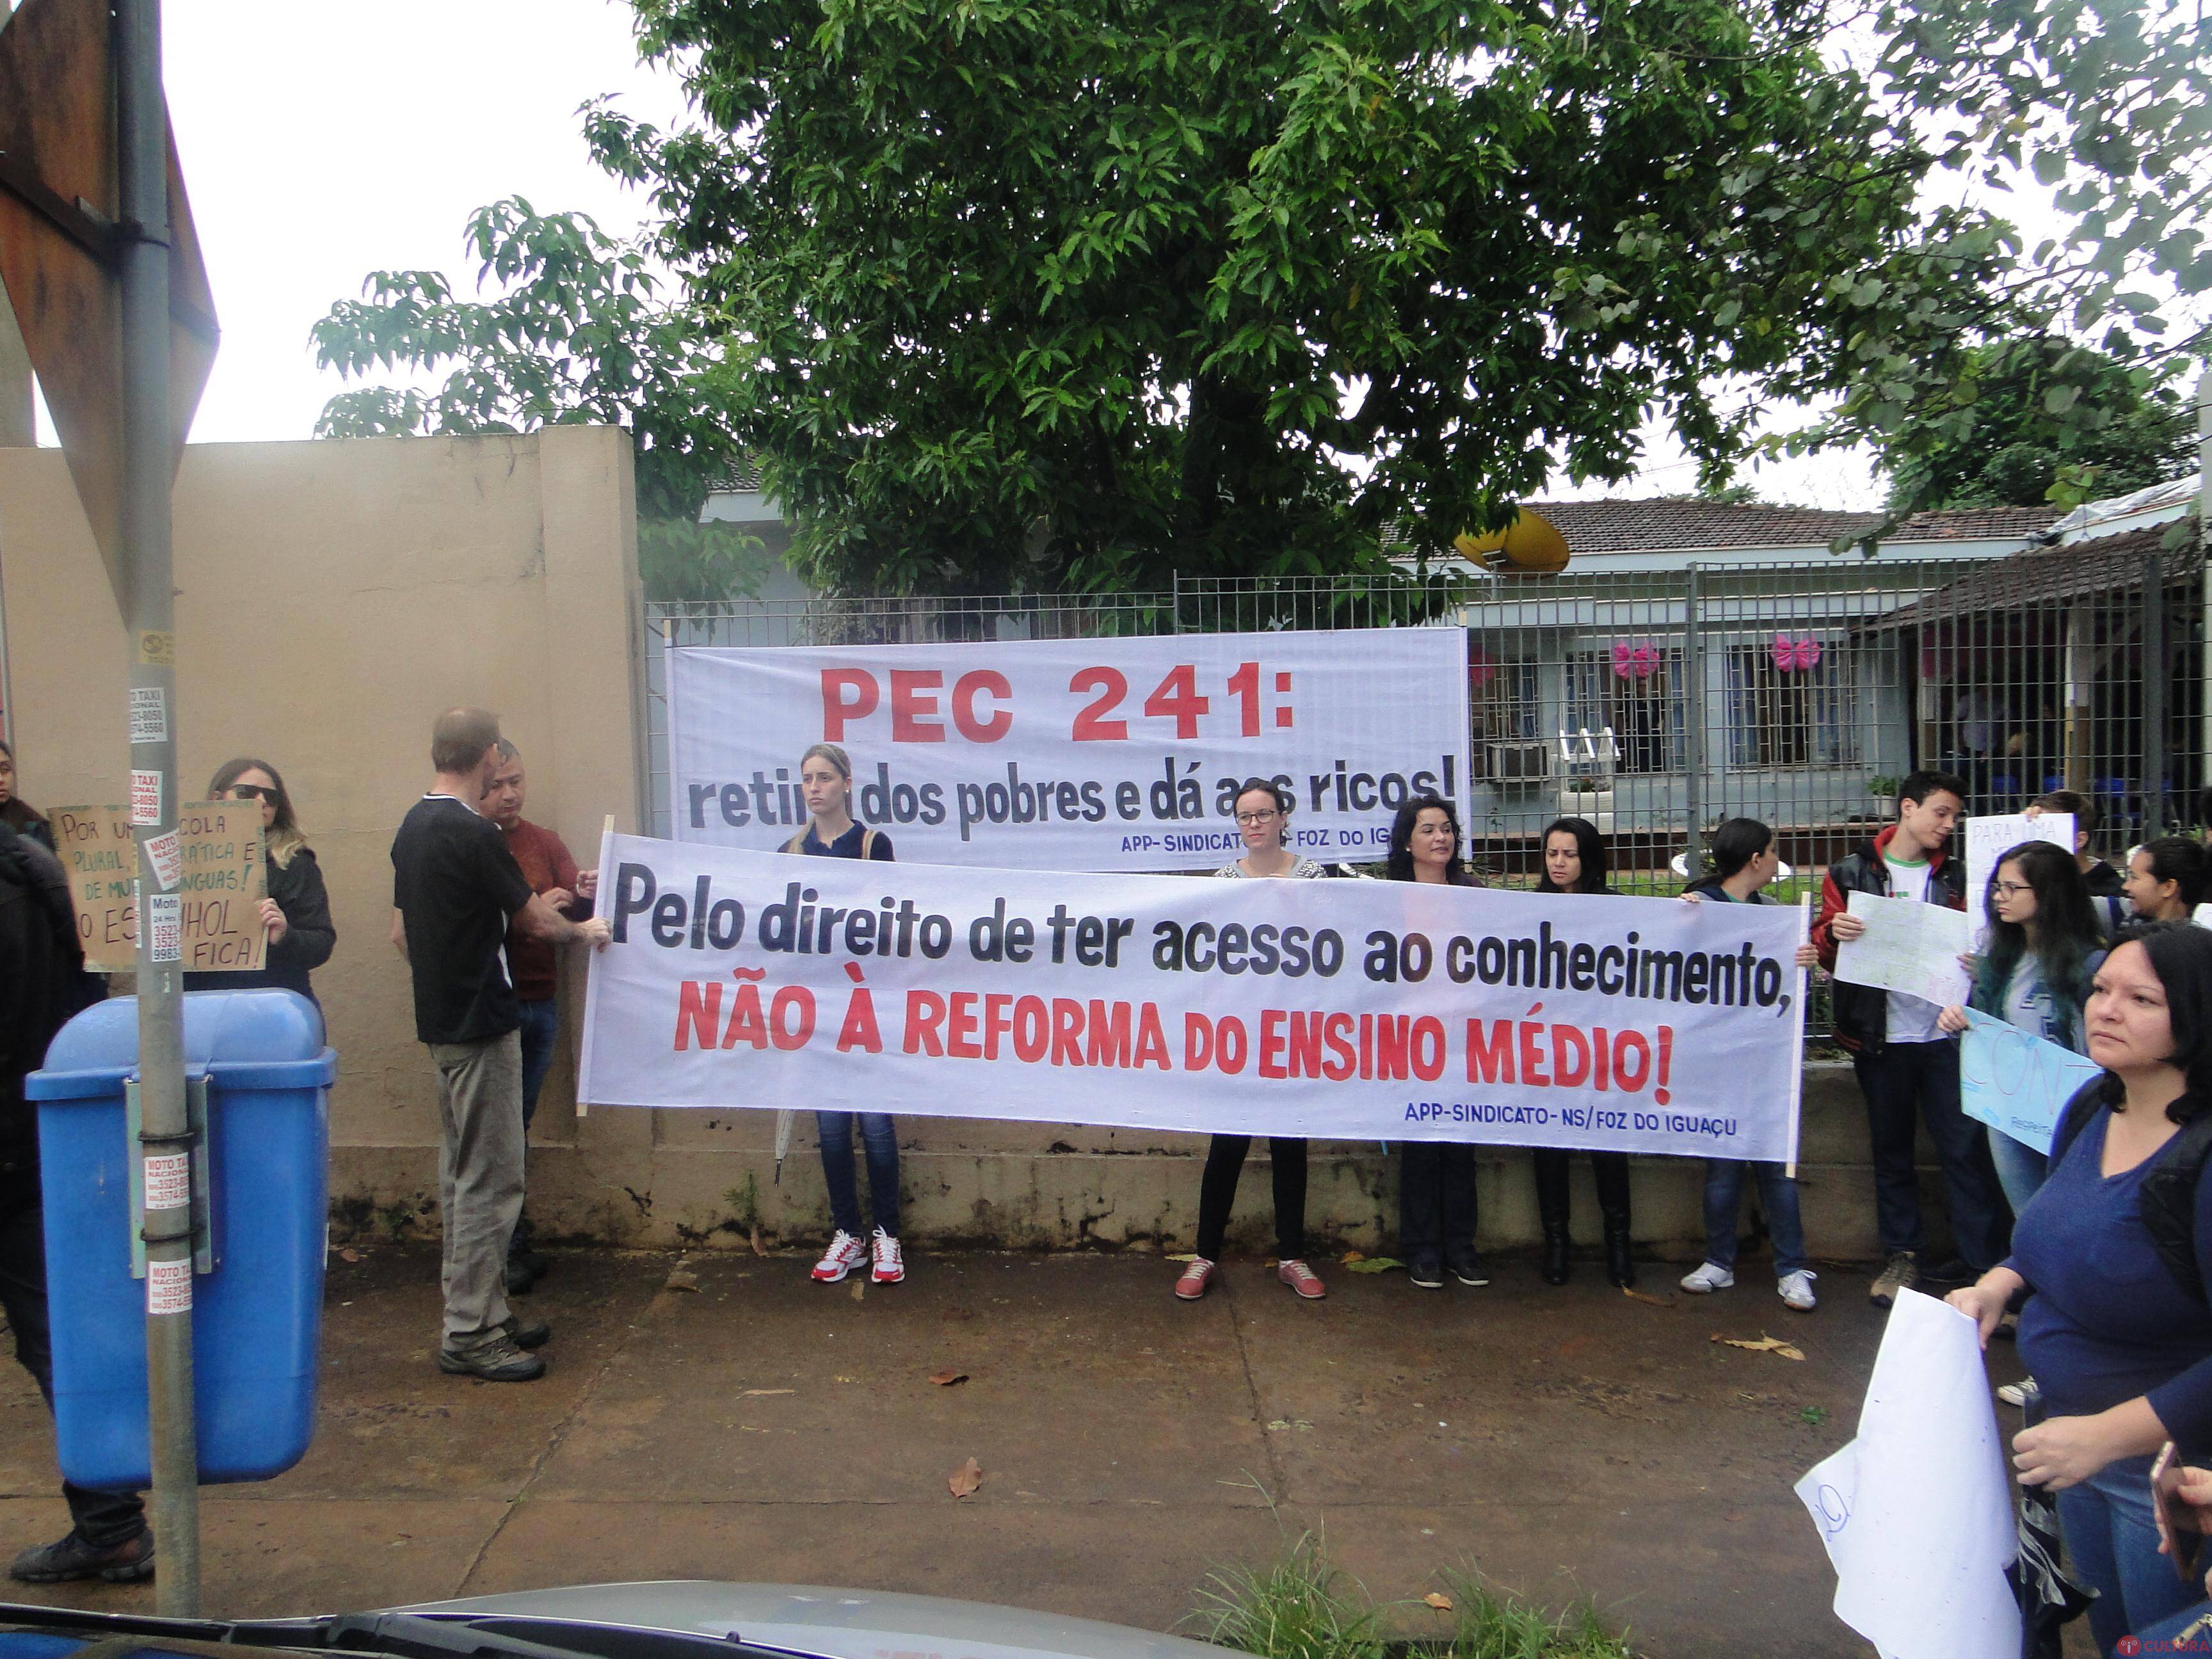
1522	761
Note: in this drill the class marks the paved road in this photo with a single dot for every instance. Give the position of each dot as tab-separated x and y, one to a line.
763	1428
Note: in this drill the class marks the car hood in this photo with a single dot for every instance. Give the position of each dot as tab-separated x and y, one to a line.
831	1624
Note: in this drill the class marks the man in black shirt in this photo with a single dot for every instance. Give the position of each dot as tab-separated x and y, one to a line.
456	888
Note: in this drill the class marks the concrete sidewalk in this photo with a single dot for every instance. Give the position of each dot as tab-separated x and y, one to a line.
764	1428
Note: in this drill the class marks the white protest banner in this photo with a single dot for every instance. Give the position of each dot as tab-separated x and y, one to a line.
1909	946
2016	1082
1917	1512
1988	838
1354	1009
1103	754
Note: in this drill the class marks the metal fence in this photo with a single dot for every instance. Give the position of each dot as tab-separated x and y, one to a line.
1657	703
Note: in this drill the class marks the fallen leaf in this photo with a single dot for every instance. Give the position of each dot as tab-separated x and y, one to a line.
1374	1264
1645	1296
682	1279
756	1394
348	1255
947	1378
1773	1345
1440	1602
844	1379
1186	1256
1351	1256
1281	1423
860	1290
758	1249
963	1480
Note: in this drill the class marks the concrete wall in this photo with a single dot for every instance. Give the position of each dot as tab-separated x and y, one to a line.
334	596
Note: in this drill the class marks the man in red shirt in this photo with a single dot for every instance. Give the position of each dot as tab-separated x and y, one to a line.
552	875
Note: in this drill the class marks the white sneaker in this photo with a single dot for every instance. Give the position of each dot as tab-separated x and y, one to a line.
845	1253
1711	1276
890	1265
2018	1394
1796	1289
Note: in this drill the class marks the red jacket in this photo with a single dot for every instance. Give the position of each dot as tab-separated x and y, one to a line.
546	865
1862	1012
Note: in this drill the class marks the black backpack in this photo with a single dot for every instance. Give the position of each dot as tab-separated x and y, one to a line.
2169	1190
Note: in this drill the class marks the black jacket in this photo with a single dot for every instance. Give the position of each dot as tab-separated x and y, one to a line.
1862	1012
308	936
41	984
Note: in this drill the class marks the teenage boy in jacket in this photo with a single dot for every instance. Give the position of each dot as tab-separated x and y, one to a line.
1908	1069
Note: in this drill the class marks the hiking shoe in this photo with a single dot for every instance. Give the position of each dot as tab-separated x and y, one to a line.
845	1253
1711	1276
2013	1393
1955	1271
1467	1269
1196	1278
1902	1273
130	1562
1302	1279
536	1334
1795	1290
494	1359
889	1266
1427	1272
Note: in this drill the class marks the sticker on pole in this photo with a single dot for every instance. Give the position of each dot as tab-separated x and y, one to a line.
167	855
169	1286
167	910
168	1181
145	797
149	714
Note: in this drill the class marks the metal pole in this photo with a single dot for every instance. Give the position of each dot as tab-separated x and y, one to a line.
1693	725
165	1131
2204	548
2154	672
18	425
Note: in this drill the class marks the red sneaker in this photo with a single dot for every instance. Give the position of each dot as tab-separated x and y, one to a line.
1302	1279
845	1253
1197	1276
889	1266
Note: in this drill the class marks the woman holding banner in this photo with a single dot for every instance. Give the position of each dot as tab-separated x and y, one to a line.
1263	812
1744	861
296	912
2110	1255
1436	1178
825	779
1575	862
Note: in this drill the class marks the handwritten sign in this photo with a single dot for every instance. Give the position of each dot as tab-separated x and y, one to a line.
214	866
1909	946
2016	1082
1988	839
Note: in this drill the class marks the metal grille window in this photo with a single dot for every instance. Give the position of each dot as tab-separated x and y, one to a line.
1635	687
1789	702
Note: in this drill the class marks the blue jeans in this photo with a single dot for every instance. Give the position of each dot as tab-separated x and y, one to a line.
1778	1196
2111	1545
541	1029
2191	1629
1908	1084
2020	1167
879	1136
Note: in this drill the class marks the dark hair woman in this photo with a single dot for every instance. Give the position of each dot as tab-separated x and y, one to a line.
2165	878
2044	950
297	911
1436	1178
1263	810
825	783
2119	1344
17	814
1575	861
1744	861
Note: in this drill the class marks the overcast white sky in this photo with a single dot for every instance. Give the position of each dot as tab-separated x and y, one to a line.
325	139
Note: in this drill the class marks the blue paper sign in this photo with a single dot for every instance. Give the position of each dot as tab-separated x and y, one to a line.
2016	1082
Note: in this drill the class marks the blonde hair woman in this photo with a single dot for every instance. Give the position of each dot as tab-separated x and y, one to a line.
297	911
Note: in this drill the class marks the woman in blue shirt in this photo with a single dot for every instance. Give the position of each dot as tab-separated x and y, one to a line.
2122	1350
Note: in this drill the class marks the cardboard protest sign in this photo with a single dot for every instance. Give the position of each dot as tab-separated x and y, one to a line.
1359	1010
210	878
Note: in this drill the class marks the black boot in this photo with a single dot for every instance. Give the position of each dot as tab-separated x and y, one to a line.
1551	1212
1611	1170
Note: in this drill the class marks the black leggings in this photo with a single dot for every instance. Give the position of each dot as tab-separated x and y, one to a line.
1217	1194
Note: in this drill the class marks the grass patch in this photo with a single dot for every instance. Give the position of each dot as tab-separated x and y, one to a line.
1302	1607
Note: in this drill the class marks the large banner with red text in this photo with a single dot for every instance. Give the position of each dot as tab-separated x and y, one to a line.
1346	1010
1105	754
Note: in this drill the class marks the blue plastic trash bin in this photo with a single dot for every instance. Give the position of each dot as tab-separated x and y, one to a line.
257	1318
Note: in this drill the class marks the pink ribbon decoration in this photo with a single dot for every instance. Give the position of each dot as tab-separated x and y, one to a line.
1480	669
1635	661
1798	656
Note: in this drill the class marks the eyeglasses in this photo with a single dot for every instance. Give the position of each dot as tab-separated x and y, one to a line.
1248	818
253	792
2011	888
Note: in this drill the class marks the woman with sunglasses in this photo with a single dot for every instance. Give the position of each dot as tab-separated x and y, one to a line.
297	911
1263	810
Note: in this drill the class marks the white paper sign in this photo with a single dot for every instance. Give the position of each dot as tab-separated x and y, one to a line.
1917	1512
169	1286
149	714
1103	754
1909	946
168	1181
1364	1010
1988	839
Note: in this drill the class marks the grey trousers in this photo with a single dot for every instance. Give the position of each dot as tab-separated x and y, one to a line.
479	1178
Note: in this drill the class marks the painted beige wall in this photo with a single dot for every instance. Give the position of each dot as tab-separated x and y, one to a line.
333	598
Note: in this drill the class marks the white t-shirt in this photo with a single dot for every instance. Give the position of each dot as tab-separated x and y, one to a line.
1911	1019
